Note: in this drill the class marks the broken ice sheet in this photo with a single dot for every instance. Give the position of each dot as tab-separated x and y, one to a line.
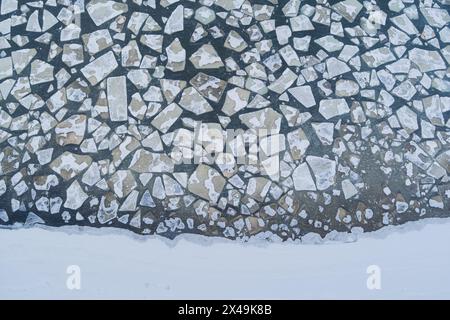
319	116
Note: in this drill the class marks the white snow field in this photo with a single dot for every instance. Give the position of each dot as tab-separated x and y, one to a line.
413	261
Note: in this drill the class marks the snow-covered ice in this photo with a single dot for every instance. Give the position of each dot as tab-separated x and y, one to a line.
413	260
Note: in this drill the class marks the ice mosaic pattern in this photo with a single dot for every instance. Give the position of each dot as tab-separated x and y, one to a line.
230	118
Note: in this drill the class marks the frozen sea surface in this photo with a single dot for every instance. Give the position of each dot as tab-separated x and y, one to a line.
413	261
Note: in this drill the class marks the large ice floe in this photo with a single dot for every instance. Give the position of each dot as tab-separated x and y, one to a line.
229	118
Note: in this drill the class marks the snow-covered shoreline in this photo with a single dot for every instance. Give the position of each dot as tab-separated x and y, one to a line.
413	259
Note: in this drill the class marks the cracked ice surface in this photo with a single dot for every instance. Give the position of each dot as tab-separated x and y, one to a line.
137	115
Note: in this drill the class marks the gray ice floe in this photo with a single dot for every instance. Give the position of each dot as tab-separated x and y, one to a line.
102	11
75	196
175	23
100	68
330	108
207	183
117	98
206	57
324	171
